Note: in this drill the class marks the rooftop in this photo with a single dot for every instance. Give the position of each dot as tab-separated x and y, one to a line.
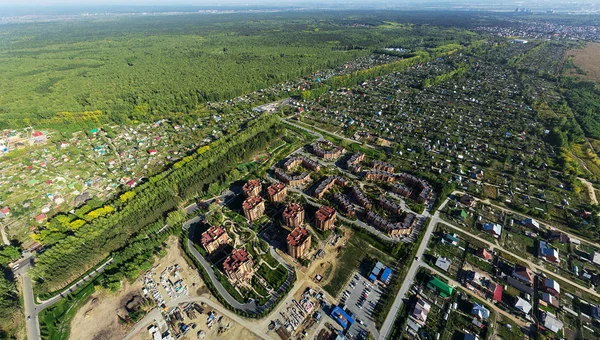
235	260
212	234
325	213
298	236
293	209
275	188
252	202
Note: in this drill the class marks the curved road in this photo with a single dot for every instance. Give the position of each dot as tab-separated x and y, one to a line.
249	307
32	309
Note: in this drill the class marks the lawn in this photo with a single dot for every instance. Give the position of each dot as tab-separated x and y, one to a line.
360	246
275	278
348	261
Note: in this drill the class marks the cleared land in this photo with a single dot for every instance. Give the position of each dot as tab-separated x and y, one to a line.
99	317
587	59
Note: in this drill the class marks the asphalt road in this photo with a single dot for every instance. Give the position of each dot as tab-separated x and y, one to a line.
249	307
359	223
32	309
410	275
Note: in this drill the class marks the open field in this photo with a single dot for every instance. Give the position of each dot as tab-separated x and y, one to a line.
588	60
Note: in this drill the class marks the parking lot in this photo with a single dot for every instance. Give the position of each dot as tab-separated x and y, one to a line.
360	297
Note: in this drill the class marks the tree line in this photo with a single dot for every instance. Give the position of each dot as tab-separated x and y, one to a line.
75	251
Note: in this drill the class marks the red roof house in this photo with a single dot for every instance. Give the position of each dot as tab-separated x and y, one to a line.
484	254
40	218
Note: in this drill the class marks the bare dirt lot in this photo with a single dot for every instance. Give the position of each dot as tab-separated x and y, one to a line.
225	329
588	59
99	317
326	265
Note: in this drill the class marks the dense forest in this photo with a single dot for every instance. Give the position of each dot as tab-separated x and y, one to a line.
123	70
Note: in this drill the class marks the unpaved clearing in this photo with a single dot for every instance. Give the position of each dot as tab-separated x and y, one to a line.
588	59
226	329
326	266
590	189
98	318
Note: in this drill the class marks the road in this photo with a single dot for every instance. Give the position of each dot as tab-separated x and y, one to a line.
4	238
492	306
408	280
532	265
32	309
325	131
249	307
590	189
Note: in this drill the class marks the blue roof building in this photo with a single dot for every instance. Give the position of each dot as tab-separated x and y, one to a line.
342	317
386	275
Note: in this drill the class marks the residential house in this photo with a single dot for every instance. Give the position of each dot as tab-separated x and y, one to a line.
443	263
252	188
360	198
253	207
40	218
484	254
523	273
420	312
440	286
452	239
4	212
293	215
480	311
467	200
214	238
551	286
552	323
298	242
325	217
238	267
531	223
493	228
277	192
547	253
523	306
460	214
550	299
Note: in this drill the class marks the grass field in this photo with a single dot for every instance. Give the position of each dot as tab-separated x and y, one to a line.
588	60
352	255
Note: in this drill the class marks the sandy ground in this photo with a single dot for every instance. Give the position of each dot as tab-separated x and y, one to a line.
321	266
590	189
231	329
98	319
588	59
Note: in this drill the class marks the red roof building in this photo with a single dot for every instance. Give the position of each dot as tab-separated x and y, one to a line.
293	215
40	218
252	188
298	242
484	254
238	266
214	238
253	207
325	217
277	192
